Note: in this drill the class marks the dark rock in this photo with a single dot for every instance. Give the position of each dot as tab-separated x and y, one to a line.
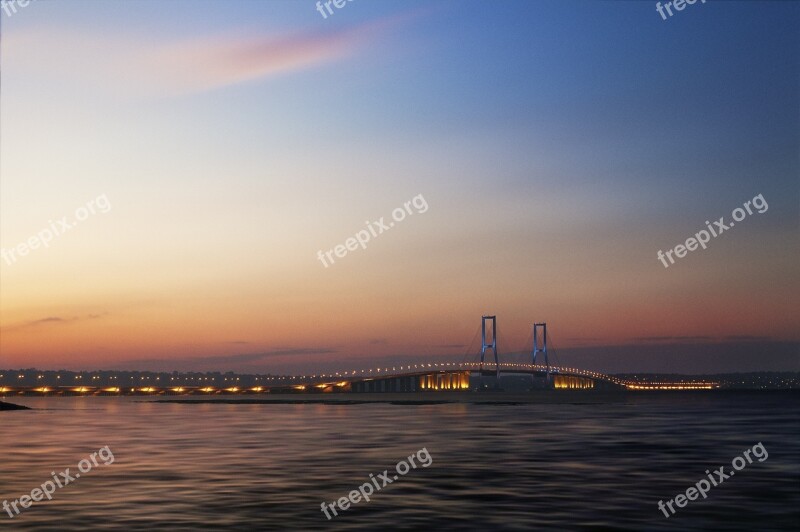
9	406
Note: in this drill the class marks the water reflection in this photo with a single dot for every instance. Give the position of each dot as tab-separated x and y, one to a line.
515	467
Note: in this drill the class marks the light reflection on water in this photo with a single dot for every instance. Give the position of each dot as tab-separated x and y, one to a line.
506	467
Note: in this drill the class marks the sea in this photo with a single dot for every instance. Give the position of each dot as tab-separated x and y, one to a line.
571	460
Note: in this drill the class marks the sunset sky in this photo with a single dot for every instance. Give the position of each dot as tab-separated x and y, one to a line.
559	145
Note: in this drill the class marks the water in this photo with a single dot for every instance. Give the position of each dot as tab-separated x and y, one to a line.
587	460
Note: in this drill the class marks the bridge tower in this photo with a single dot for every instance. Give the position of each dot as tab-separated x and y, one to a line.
492	346
543	348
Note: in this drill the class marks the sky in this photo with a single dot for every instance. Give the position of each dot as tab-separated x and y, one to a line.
203	154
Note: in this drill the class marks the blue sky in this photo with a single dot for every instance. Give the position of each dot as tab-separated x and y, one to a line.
560	144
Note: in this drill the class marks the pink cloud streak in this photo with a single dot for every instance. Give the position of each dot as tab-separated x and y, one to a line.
127	65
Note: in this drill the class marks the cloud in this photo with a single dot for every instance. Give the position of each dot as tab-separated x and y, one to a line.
50	320
584	340
47	320
205	64
714	339
240	361
144	66
671	339
685	357
257	357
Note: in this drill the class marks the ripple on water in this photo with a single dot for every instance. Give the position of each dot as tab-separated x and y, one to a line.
504	467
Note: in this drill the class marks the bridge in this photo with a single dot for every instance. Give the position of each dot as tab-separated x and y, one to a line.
420	377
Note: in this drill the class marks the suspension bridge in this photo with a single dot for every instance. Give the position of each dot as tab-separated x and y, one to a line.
476	375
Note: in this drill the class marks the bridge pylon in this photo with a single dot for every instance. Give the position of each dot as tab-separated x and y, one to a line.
543	348
492	345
